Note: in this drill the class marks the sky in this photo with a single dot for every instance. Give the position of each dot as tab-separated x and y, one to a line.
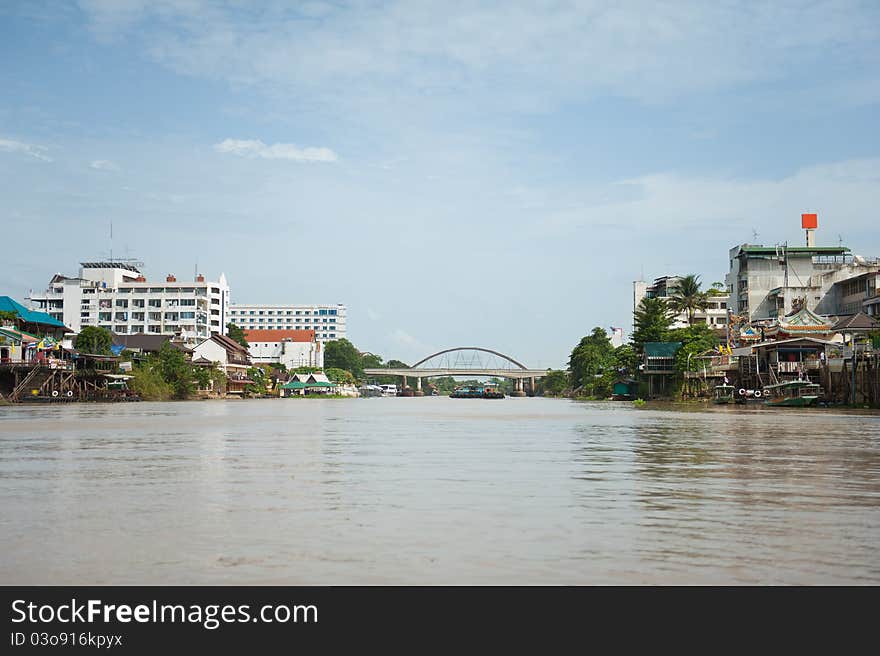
491	174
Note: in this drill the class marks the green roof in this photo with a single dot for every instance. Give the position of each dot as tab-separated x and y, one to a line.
661	349
795	250
7	304
298	385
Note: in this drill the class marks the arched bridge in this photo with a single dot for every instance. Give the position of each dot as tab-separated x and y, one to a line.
464	361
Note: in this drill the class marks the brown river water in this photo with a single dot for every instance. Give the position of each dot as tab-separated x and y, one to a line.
436	491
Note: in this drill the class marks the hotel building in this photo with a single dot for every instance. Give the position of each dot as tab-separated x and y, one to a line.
328	321
117	296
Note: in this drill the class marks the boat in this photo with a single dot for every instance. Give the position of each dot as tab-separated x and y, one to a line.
724	394
477	392
389	390
793	393
368	391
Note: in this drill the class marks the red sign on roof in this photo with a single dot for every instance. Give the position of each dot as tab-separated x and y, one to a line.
809	221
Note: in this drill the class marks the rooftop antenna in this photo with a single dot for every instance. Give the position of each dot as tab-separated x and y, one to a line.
840	240
755	235
111	240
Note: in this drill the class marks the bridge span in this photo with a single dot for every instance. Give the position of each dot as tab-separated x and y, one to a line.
466	361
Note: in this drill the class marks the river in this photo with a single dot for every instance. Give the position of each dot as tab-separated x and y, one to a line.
436	491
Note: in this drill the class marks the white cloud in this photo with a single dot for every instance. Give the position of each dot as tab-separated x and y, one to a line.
256	148
404	338
39	152
843	193
104	165
645	50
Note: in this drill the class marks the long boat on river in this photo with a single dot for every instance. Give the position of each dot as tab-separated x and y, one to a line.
792	393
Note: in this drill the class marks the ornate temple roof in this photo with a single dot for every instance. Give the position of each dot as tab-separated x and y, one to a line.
802	322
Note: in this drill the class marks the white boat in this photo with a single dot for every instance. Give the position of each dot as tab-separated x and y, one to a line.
370	390
389	390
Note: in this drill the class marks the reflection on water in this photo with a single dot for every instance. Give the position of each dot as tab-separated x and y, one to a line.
436	490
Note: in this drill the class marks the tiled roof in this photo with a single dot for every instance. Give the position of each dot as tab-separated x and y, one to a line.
229	344
279	335
857	322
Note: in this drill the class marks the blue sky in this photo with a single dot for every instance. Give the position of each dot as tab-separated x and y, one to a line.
489	174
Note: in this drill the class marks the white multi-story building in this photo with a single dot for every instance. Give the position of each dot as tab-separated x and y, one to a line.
292	348
117	296
715	314
328	321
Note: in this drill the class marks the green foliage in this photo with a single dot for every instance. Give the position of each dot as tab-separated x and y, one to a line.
627	359
94	340
652	321
444	384
554	383
235	333
590	362
371	361
304	370
8	318
147	383
175	370
209	378
639	403
339	376
688	297
261	380
341	354
696	340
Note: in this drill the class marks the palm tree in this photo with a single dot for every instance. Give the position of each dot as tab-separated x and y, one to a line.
688	297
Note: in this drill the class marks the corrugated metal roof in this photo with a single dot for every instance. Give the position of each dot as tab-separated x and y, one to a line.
7	304
661	349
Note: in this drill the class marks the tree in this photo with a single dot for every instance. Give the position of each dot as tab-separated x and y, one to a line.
237	334
94	340
175	369
627	360
592	357
696	340
717	289
341	354
260	379
688	297
339	376
554	383
371	361
9	318
652	321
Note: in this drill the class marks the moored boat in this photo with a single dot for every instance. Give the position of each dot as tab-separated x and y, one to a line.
724	394
792	393
477	392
